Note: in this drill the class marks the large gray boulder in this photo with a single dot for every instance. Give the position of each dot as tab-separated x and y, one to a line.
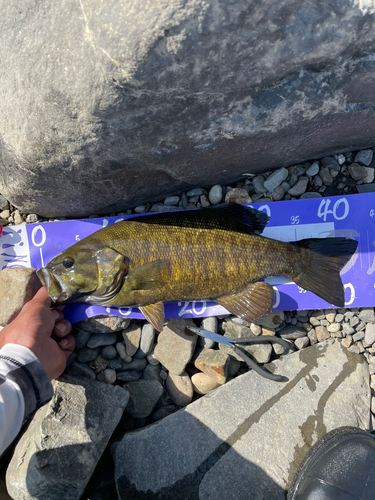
245	439
59	450
98	98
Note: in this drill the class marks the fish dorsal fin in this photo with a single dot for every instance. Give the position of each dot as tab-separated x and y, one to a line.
154	313
252	303
149	276
227	216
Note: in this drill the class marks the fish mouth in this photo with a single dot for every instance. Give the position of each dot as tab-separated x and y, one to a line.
52	284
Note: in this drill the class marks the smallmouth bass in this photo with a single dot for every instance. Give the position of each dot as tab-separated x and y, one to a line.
214	253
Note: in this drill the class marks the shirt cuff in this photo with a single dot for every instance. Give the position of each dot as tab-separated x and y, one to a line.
20	365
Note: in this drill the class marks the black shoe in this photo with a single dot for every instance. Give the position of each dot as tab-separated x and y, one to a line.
340	466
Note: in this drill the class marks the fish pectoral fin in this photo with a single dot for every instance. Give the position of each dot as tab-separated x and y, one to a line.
150	276
111	265
154	313
251	303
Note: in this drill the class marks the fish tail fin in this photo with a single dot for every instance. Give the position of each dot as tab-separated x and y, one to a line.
319	268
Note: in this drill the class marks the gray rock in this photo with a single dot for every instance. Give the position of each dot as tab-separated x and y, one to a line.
128	376
318	181
292	333
132	338
163	412
309	195
141	209
152	360
313	169
108	376
82	337
135	364
333	328
347	329
77	369
278	194
369	334
18	285
101	339
104	324
147	341
370	174
179	388
196	192
326	176
233	423
144	394
271	320
152	372
255	329
60	448
364	157
216	194
121	79
115	364
120	348
211	324
275	179
258	183
4	205
300	187
329	161
312	337
204	201
159	207
367	315
32	219
358	336
357	172
302	342
86	354
366	188
172	200
175	345
109	352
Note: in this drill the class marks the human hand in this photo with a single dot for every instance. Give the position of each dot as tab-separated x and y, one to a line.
44	331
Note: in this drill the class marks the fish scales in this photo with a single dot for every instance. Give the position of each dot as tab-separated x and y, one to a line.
204	263
213	254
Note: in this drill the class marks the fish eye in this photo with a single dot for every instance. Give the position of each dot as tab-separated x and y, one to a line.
68	262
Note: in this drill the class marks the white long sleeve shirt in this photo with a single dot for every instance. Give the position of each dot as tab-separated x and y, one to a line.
24	387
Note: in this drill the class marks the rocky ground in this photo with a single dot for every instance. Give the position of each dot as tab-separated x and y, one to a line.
165	372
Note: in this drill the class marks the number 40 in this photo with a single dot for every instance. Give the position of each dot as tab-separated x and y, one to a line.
324	206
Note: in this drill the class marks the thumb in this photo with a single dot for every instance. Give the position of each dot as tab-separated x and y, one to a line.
41	297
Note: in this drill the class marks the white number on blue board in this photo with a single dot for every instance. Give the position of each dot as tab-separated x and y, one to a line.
277	297
294	219
352	294
340	209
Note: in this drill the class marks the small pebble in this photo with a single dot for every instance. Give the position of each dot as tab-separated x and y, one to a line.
172	200
109	352
238	195
275	179
300	187
313	169
86	354
326	176
120	348
196	192
258	183
146	342
128	376
82	338
101	339
32	218
18	218
216	194
302	342
364	157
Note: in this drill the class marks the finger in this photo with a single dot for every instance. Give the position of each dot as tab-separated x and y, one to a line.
59	308
42	297
67	344
57	315
62	328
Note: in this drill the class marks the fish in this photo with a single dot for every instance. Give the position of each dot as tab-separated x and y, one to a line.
215	253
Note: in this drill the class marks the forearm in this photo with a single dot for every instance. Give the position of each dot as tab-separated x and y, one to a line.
24	387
